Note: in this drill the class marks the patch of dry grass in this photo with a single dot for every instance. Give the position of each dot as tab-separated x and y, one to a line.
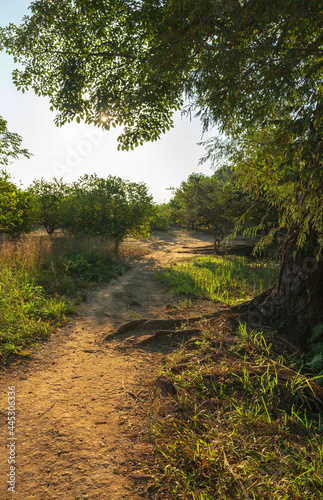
41	279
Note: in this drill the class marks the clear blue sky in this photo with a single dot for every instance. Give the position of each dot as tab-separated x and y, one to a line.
77	149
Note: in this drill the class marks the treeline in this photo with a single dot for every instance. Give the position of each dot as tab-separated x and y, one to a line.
219	203
110	208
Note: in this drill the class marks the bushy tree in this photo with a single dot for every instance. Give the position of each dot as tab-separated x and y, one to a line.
161	218
15	203
48	199
213	201
185	204
15	207
110	208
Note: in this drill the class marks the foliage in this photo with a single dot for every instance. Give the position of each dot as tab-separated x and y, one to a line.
15	205
110	208
282	190
229	280
161	218
315	354
10	145
48	200
215	201
183	203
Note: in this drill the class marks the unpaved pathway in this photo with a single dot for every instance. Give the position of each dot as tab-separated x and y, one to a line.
79	413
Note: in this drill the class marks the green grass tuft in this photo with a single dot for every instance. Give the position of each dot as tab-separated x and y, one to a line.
229	280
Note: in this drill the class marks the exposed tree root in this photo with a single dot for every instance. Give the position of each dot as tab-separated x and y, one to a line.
160	324
161	333
125	327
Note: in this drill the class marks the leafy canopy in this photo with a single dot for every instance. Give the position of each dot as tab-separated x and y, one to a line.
110	208
48	199
14	207
216	202
131	61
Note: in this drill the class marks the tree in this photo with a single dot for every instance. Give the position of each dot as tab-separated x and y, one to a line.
14	207
184	202
14	202
243	65
110	208
215	202
161	218
220	203
10	145
48	201
256	208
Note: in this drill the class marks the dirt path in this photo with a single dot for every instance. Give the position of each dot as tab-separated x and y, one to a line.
79	401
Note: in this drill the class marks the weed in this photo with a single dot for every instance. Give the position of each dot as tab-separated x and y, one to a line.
315	355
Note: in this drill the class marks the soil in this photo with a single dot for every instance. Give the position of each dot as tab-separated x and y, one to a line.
81	401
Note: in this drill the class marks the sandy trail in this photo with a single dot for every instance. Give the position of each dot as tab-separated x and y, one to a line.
79	418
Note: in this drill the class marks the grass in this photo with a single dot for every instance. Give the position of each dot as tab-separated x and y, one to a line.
230	280
244	424
41	280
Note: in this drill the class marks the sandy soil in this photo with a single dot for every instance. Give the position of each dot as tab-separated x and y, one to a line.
80	402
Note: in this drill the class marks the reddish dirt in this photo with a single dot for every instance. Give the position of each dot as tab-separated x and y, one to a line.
81	401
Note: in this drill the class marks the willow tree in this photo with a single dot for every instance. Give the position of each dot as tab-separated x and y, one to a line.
242	64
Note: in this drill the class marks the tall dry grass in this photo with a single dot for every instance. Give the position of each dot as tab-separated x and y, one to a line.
41	280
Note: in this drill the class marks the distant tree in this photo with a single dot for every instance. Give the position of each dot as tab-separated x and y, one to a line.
15	203
220	203
161	218
215	202
110	208
48	199
256	173
184	203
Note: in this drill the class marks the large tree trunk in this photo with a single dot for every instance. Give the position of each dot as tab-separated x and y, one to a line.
294	305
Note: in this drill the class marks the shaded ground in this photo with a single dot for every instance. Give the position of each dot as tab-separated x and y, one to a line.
80	403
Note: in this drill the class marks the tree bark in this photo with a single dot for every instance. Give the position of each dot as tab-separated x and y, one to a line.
294	305
217	241
116	248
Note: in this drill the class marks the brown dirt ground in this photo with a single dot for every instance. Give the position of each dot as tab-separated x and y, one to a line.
81	401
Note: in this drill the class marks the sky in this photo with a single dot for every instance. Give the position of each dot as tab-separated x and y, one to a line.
74	149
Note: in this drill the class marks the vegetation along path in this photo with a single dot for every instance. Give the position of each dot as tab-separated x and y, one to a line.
80	401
